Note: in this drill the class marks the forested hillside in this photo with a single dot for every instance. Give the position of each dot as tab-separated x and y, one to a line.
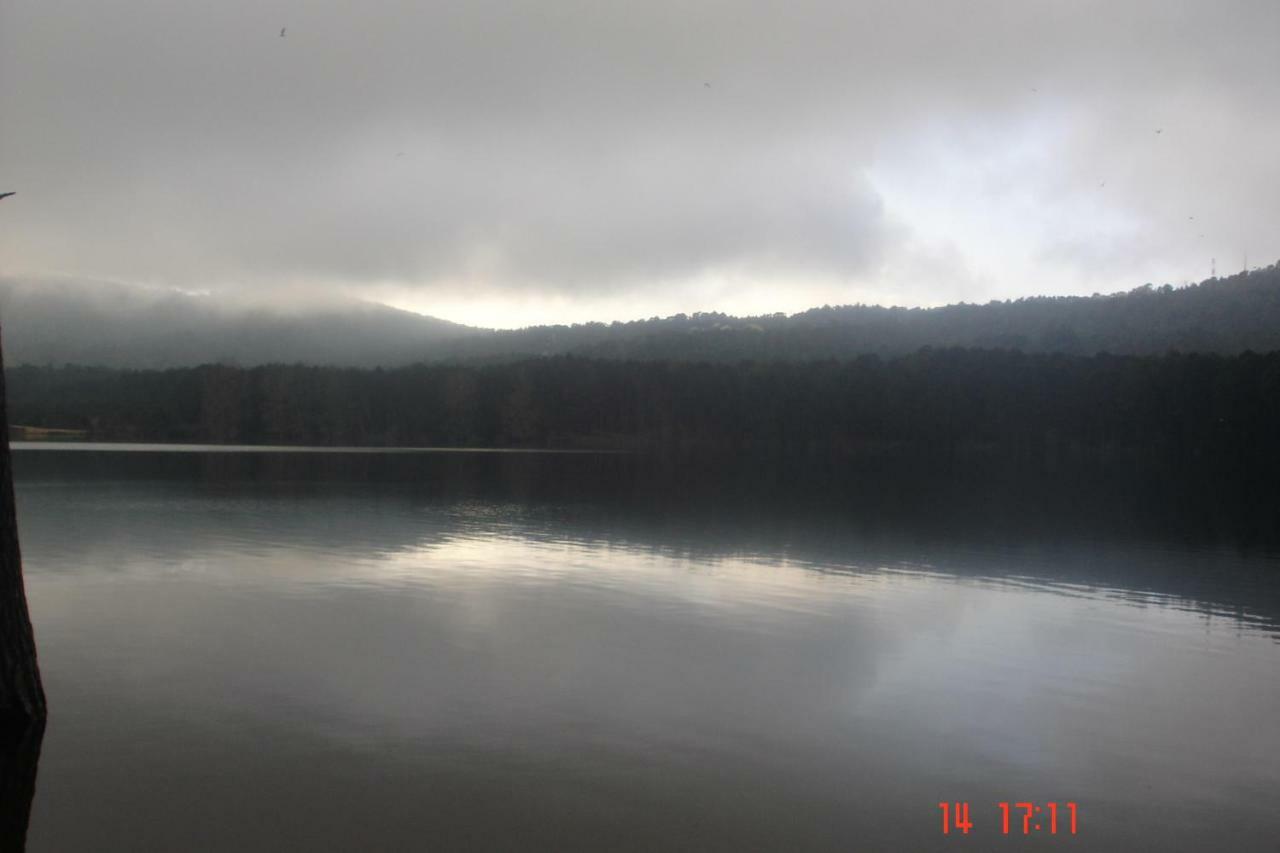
1225	315
113	326
107	324
1184	404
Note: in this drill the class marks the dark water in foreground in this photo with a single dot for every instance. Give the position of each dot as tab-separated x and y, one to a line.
486	652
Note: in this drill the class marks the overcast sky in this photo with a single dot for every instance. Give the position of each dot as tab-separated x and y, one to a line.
510	163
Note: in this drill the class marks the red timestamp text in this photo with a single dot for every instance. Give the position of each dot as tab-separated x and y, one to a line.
1024	818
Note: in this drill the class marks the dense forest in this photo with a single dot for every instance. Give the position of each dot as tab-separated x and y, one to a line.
1194	405
114	326
1224	315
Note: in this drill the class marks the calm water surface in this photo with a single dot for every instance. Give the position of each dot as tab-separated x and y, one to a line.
272	651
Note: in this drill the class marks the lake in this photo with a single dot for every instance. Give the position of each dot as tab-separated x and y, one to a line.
271	650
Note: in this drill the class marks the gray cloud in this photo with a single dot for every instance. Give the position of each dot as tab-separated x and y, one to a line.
592	149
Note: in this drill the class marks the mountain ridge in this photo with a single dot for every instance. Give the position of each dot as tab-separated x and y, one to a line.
116	325
122	326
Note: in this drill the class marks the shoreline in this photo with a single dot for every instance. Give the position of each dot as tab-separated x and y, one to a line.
179	447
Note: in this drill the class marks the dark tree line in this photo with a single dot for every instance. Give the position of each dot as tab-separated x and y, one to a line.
1191	404
1225	315
115	326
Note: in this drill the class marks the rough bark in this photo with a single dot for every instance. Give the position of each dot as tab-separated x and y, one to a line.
21	693
19	756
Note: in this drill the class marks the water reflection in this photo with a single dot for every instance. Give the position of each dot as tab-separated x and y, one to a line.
178	512
259	653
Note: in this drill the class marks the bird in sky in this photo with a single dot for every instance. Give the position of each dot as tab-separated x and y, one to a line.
1160	130
282	29
6	195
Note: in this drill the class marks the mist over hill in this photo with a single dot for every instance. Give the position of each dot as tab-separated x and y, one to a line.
118	326
1223	315
115	325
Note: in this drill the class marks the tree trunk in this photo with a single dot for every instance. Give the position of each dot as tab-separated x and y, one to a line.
21	693
19	757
